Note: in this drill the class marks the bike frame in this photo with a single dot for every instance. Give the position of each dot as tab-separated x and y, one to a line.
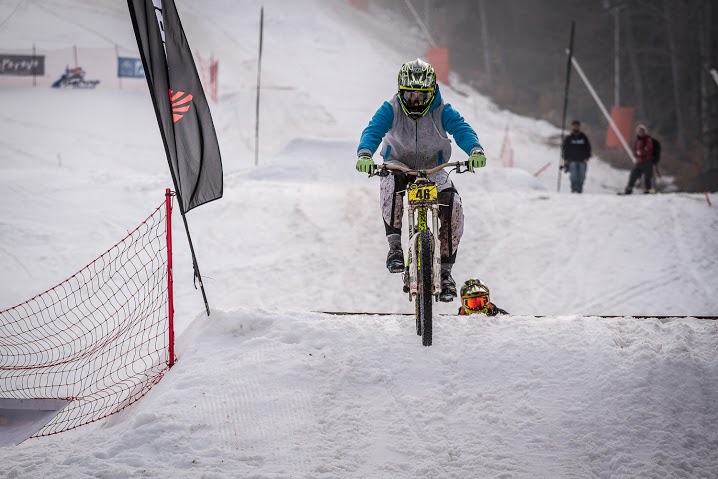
418	222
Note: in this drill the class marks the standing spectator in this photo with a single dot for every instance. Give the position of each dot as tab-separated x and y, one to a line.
576	151
643	149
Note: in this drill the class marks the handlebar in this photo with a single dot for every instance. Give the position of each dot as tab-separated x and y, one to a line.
384	169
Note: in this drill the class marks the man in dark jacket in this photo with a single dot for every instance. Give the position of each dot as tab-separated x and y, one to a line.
576	151
643	149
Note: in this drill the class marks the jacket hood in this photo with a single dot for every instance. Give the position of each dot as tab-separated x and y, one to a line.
437	100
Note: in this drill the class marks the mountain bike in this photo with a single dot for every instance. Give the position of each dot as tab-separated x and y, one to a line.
422	271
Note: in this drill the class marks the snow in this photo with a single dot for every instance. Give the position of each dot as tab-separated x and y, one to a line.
278	393
265	387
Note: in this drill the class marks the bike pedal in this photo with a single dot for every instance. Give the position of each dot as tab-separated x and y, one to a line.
446	298
395	268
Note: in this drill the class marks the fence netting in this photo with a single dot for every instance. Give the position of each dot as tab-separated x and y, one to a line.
99	339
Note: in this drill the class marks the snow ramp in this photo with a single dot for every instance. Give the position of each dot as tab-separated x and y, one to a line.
280	394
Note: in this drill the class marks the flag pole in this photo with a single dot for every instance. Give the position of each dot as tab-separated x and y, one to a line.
197	274
195	266
259	77
158	115
565	102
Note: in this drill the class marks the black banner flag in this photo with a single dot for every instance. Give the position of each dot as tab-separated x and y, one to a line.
181	107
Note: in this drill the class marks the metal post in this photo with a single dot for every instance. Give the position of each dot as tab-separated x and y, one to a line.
34	70
426	12
421	23
259	79
117	57
598	101
197	274
170	293
616	57
485	42
714	74
565	102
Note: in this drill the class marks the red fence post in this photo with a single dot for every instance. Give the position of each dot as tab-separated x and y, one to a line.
170	297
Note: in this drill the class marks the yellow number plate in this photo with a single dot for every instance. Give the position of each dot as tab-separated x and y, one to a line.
422	193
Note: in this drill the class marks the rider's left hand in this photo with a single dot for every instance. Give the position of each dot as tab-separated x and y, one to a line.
476	160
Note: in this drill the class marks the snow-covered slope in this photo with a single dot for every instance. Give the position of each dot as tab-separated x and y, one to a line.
276	391
268	393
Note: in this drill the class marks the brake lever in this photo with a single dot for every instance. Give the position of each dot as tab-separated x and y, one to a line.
380	172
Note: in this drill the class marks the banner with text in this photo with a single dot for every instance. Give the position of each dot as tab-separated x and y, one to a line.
22	65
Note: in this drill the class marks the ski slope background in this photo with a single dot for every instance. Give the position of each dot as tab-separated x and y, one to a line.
265	388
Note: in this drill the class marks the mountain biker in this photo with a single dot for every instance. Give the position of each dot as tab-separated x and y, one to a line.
475	299
415	124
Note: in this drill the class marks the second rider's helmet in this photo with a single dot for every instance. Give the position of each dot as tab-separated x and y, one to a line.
475	296
417	88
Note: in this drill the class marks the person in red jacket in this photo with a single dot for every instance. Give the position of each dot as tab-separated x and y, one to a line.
643	150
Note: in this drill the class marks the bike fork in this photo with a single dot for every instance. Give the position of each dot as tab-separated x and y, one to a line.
411	270
436	256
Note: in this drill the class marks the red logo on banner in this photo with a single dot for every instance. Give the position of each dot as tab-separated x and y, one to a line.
180	104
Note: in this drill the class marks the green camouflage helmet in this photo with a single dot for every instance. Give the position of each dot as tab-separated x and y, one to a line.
474	287
416	76
475	297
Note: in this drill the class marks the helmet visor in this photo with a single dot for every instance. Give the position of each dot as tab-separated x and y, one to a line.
477	302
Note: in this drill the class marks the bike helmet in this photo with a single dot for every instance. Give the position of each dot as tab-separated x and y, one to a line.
417	88
475	296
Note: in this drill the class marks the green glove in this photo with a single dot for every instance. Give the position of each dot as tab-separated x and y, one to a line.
366	165
476	160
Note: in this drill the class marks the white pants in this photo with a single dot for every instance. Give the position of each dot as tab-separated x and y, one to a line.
451	213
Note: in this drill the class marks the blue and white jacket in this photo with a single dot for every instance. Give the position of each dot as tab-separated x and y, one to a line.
419	144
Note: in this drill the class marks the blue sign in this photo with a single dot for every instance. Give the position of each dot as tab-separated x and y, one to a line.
130	68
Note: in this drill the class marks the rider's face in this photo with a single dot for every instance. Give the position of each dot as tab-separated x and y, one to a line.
414	98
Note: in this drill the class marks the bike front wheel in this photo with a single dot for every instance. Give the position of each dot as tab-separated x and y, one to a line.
425	287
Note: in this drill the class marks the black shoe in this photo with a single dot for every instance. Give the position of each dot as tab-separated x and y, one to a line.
395	260
448	288
628	191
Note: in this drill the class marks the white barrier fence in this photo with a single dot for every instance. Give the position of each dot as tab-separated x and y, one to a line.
98	64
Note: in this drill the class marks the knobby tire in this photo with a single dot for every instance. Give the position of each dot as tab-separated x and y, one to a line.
425	293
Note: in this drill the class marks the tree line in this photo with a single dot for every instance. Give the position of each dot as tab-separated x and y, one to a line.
514	52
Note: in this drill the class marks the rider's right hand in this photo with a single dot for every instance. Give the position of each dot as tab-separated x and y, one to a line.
365	164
